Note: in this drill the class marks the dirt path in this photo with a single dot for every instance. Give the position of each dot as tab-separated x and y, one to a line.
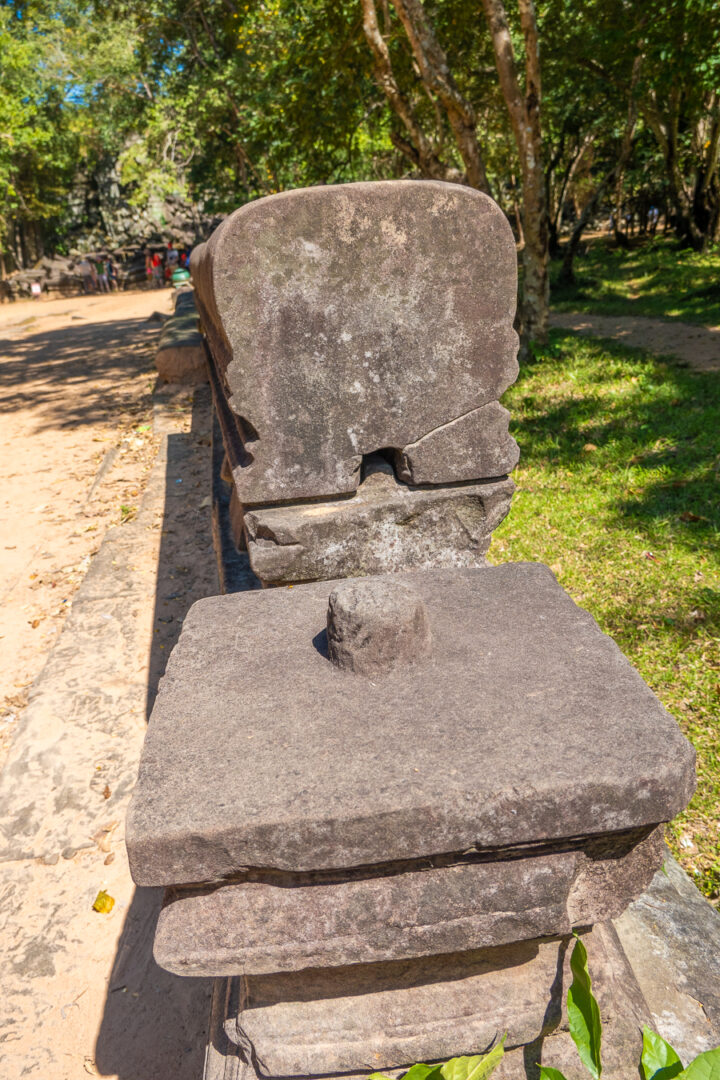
92	611
696	346
76	443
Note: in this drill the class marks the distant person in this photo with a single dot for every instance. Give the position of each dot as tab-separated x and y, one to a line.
36	290
172	255
87	272
102	277
112	274
148	267
157	270
653	218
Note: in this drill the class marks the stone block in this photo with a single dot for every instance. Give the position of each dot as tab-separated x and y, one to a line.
371	1017
386	527
375	625
180	356
475	446
184	300
525	725
263	926
347	319
236	516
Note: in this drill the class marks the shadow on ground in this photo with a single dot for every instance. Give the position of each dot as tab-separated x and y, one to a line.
665	426
38	369
155	1024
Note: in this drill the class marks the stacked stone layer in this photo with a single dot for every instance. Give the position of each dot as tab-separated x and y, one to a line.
343	321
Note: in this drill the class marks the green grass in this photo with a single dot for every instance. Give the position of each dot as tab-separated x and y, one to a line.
619	492
656	278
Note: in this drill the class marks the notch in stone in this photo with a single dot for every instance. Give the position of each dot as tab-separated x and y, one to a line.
375	625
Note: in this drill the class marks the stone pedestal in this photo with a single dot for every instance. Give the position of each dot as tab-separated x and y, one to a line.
361	1019
395	811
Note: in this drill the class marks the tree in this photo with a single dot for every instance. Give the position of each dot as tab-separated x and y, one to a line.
523	105
681	106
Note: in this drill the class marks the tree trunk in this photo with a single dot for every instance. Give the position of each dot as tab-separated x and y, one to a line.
567	274
417	148
555	205
440	84
615	175
524	110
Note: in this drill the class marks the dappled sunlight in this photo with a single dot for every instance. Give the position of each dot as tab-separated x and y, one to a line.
619	493
658	278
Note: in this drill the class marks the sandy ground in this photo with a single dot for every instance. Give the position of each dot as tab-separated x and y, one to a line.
76	443
91	612
696	346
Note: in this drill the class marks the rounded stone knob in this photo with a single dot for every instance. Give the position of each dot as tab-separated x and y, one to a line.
375	625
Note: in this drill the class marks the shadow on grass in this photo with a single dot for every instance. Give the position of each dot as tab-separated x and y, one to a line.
656	278
645	426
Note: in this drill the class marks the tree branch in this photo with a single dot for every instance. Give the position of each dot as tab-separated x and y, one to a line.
437	78
423	153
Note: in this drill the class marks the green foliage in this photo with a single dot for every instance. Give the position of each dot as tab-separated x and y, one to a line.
547	1073
659	1060
704	1067
657	278
583	1012
617	491
478	1067
222	101
69	93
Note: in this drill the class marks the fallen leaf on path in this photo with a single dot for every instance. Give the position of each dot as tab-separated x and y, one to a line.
687	515
106	792
102	836
104	903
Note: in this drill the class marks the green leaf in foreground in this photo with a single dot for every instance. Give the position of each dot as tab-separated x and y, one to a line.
415	1072
546	1073
422	1072
473	1068
418	1071
583	1012
659	1061
477	1067
705	1066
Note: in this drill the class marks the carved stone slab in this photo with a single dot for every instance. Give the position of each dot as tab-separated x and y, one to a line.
525	723
258	927
359	317
385	527
387	1016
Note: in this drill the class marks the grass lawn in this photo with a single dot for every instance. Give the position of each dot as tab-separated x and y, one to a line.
657	278
619	492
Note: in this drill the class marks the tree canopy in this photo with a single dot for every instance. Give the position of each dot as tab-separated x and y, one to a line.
557	108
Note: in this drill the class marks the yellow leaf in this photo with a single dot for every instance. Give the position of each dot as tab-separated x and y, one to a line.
104	903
